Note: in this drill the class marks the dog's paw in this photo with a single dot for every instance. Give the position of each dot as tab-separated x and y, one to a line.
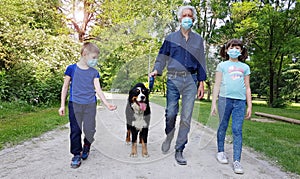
133	155
128	143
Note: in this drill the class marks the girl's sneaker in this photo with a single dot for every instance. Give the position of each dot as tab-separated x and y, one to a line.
76	161
237	167
85	152
222	158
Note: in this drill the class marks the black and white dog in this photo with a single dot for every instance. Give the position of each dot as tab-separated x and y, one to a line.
138	118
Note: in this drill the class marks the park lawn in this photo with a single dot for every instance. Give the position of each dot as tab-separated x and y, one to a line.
23	122
279	142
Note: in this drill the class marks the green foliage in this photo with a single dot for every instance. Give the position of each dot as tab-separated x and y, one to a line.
38	80
4	87
270	31
291	86
130	36
34	51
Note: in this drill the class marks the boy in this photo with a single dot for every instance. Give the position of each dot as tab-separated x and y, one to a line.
83	80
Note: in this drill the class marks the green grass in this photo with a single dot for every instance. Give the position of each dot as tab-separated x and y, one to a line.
279	142
20	122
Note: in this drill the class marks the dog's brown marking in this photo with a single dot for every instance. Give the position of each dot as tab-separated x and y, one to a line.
128	137
133	150
134	98
144	149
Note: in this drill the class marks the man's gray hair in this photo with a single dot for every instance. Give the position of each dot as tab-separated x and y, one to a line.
180	10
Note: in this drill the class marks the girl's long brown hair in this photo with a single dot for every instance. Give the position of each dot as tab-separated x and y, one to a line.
234	42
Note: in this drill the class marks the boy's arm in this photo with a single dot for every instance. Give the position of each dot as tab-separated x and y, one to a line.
248	96
216	91
101	95
64	92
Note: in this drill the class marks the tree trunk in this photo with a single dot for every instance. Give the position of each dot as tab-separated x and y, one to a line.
208	83
87	17
278	78
271	67
271	83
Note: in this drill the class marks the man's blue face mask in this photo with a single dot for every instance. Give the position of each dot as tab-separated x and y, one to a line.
186	23
92	62
233	53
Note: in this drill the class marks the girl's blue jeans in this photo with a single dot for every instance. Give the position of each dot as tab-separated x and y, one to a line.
236	108
186	87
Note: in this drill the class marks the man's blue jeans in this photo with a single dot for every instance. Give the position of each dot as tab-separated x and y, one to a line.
187	88
226	108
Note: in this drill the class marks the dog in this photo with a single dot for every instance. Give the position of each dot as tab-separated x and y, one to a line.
138	118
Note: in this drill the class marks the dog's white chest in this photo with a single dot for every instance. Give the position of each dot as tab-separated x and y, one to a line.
139	122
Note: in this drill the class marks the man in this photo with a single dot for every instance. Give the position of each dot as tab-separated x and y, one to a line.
183	54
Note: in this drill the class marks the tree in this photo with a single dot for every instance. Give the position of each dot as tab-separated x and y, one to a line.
130	32
208	13
81	16
35	49
272	29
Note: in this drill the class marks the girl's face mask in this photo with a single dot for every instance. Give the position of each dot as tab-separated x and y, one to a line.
233	53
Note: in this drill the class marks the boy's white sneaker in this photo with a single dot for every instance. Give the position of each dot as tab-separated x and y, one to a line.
237	167
222	158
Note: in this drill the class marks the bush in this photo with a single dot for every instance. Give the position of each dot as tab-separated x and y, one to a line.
24	86
279	103
4	87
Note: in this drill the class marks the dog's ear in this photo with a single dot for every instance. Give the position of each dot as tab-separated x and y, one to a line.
130	96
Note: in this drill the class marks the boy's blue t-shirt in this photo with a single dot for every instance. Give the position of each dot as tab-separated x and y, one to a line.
82	90
233	84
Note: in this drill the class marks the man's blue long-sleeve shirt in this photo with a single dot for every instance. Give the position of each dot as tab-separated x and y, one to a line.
181	55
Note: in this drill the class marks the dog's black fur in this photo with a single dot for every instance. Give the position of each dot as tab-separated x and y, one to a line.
138	117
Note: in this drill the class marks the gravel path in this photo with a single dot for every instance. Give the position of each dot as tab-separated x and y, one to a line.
48	156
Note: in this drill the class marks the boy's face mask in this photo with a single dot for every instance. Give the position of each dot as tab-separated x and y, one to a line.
233	53
92	62
186	23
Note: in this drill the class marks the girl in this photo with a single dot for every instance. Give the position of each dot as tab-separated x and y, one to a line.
232	87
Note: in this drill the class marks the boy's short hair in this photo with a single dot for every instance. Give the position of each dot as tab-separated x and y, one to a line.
90	47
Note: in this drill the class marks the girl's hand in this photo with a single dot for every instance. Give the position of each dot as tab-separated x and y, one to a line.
213	110
249	112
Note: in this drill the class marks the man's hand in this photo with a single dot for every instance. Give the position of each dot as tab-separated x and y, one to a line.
200	90
154	74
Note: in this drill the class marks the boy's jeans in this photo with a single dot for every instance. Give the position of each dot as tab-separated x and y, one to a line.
236	108
176	85
81	114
